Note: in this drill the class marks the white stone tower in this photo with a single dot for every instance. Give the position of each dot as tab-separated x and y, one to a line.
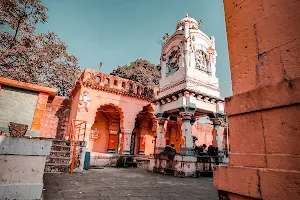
188	87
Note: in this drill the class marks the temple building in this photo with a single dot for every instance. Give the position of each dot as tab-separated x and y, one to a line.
125	117
110	116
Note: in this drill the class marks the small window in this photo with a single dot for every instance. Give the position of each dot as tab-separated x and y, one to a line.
106	81
138	89
115	82
98	79
130	86
123	85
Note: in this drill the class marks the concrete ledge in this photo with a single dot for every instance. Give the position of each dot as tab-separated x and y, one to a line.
103	159
283	94
22	163
21	191
24	146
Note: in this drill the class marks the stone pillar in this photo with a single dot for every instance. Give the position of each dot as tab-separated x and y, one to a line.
160	136
163	67
87	134
186	45
217	137
127	141
186	145
40	109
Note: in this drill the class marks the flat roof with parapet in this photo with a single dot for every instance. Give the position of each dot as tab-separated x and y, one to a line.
28	86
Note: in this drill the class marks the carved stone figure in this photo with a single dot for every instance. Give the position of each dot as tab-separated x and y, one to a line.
84	101
95	133
202	61
173	61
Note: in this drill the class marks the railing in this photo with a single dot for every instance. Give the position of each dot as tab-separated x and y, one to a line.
77	133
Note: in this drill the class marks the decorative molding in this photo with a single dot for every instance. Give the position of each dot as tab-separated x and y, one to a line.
127	131
206	99
200	83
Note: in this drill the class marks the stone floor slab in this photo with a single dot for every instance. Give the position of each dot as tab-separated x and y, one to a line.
127	184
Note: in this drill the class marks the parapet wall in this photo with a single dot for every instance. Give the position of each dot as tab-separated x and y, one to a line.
118	85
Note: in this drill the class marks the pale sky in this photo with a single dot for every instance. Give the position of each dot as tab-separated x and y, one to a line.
117	32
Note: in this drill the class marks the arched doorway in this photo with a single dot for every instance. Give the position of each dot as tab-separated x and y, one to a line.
144	132
105	132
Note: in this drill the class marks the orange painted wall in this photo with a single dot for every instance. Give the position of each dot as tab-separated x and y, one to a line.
149	144
128	105
39	112
100	144
74	104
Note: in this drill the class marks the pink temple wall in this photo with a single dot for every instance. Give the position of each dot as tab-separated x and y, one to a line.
203	132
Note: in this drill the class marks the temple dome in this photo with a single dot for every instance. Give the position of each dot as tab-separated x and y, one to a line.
193	23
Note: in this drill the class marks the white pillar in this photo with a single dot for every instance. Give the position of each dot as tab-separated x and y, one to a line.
163	68
160	133
186	145
186	46
127	141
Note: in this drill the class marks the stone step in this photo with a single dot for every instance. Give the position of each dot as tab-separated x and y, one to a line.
61	148
61	142
54	153
61	160
57	168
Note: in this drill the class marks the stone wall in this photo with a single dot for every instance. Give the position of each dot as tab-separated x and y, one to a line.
264	40
56	118
17	105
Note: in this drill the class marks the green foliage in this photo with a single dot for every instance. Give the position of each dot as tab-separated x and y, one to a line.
30	57
141	71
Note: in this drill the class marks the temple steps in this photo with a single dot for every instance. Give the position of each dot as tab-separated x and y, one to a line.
57	168
142	161
59	159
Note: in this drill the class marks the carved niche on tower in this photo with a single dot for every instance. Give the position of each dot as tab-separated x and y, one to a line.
202	61
173	61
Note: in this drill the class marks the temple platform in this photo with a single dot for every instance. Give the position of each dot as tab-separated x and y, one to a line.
99	160
184	166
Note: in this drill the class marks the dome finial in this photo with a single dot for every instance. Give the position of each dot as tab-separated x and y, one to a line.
187	15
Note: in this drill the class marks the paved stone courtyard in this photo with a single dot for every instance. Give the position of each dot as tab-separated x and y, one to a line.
126	184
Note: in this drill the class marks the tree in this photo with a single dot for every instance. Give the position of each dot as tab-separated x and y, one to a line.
141	71
30	57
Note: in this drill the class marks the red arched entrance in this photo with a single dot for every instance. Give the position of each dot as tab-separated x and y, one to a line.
105	132
145	132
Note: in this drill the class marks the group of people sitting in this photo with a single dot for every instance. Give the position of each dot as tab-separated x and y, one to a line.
198	150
